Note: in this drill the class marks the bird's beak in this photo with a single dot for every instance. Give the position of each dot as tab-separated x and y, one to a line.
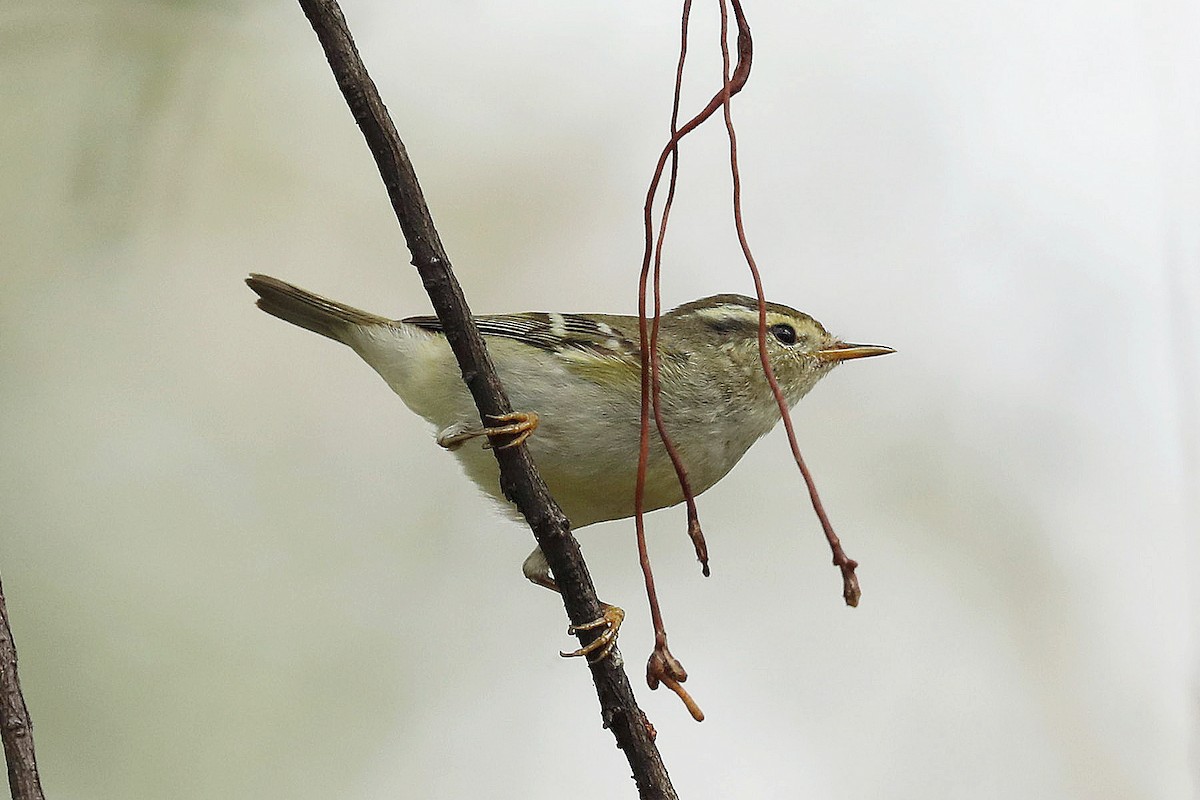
843	351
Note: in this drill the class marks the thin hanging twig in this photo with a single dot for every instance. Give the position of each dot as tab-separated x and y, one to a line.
662	666
850	588
694	530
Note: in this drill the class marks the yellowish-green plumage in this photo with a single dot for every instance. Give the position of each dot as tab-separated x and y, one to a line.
581	374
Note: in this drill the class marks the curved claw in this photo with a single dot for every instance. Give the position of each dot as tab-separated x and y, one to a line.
610	620
520	425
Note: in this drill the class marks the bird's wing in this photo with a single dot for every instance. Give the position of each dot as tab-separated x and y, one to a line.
566	334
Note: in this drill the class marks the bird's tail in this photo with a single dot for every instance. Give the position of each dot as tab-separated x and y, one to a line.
299	307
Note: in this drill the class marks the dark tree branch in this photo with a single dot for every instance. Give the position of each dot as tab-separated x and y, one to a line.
518	476
15	727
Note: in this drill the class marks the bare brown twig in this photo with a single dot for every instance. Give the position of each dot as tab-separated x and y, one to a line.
694	530
519	477
662	666
15	727
850	588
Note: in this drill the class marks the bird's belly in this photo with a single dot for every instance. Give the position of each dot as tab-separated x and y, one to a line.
587	442
592	477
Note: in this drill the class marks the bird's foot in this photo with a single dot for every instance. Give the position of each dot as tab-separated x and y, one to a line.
515	428
599	648
521	425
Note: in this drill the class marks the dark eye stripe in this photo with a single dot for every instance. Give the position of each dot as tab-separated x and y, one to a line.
726	324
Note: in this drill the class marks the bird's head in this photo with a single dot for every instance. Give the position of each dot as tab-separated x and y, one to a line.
723	331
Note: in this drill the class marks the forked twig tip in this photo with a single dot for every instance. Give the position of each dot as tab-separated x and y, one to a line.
667	669
850	588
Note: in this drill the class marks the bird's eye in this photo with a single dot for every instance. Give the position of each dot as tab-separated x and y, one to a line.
785	333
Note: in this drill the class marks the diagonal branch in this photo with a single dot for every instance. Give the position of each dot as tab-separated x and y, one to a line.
518	476
15	728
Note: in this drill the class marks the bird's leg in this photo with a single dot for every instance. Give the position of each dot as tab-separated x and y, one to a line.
516	427
538	571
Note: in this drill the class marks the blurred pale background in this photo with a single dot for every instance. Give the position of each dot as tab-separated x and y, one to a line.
238	568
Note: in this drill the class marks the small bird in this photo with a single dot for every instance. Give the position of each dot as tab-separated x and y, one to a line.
576	378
